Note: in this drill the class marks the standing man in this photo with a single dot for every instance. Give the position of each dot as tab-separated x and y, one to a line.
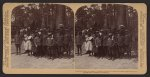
44	46
116	45
66	43
104	42
126	45
18	43
98	43
50	48
109	45
37	41
33	44
120	45
59	42
79	42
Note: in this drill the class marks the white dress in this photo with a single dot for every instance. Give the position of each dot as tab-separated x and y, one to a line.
27	45
88	44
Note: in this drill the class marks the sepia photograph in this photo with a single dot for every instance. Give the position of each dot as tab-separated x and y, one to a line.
42	36
106	37
74	38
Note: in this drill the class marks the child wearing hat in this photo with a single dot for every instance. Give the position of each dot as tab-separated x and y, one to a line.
50	46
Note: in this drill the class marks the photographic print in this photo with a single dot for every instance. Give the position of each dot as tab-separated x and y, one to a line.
42	36
74	38
107	36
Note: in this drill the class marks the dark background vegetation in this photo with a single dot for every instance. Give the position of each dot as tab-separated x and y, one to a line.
42	15
147	2
109	18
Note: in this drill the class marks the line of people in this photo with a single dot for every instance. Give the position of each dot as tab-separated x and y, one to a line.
42	43
98	43
101	44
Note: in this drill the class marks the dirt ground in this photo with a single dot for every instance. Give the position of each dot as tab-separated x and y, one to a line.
25	61
91	62
81	62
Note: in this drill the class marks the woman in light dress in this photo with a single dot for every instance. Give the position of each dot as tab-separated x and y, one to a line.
88	44
27	44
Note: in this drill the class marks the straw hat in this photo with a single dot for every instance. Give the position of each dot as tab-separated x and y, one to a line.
29	37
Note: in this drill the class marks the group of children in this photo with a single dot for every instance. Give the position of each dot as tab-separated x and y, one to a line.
44	43
55	44
103	43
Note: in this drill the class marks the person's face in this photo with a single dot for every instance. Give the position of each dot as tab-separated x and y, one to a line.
86	36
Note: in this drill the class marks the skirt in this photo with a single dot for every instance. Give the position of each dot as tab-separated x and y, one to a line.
88	46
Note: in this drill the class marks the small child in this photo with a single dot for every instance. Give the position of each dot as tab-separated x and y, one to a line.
50	44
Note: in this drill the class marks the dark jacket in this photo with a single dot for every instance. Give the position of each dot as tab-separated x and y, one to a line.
115	40
66	39
109	42
126	40
104	40
37	41
17	39
79	40
59	40
120	40
50	41
98	41
44	38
